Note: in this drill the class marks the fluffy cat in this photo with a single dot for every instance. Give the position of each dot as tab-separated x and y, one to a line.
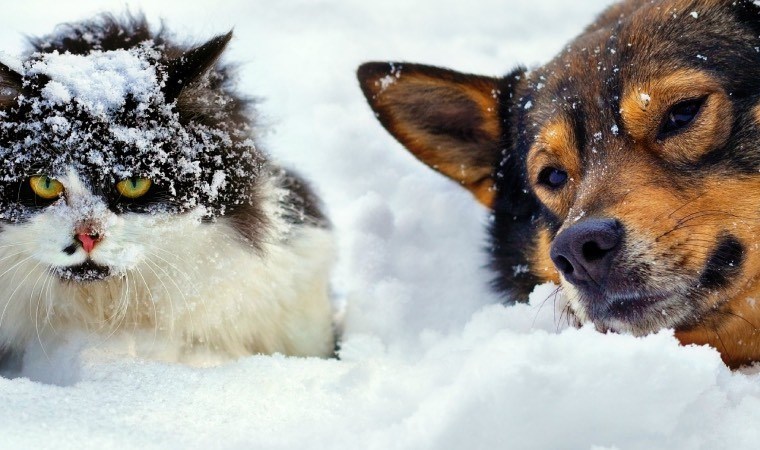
133	198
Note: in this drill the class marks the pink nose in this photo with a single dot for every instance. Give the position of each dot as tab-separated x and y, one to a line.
88	240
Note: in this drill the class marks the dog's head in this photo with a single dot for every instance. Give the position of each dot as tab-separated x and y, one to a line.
628	168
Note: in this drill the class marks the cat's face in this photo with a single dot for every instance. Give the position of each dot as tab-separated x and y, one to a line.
82	234
104	153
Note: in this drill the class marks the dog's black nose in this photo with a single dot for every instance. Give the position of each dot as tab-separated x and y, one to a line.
584	252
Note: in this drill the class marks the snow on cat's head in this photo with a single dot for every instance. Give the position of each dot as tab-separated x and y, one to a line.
110	135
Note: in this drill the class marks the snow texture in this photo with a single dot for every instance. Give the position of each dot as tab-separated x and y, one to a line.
430	360
100	82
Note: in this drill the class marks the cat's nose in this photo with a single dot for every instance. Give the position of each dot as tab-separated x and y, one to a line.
88	240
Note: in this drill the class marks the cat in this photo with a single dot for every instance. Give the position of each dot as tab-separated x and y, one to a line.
134	199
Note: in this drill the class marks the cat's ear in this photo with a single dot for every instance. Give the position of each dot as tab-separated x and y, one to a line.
193	64
448	120
10	86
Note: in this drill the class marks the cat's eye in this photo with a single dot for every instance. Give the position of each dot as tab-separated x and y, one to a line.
134	187
45	187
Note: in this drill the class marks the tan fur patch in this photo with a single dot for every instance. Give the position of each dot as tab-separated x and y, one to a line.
756	113
645	107
733	329
541	264
556	147
679	232
449	122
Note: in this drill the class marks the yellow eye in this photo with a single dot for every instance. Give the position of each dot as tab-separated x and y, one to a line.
46	187
134	187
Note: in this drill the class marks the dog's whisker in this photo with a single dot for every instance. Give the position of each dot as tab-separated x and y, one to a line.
553	295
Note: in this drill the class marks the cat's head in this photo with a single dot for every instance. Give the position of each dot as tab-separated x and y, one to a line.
109	135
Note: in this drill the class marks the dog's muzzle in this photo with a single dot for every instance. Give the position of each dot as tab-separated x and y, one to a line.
585	253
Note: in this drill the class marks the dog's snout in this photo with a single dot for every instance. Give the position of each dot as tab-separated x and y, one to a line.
585	252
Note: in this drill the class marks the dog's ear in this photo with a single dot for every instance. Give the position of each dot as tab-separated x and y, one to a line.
193	64
448	120
10	86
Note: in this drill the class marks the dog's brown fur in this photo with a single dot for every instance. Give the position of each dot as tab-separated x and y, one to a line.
685	201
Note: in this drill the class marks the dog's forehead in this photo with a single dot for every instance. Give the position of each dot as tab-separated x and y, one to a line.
645	42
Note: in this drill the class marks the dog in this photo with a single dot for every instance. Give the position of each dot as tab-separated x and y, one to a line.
626	170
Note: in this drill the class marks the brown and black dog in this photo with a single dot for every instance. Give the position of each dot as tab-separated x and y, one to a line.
627	168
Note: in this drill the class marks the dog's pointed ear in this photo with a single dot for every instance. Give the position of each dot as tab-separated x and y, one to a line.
448	120
10	86
193	64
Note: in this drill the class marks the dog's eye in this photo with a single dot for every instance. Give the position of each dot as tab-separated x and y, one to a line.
552	178
681	116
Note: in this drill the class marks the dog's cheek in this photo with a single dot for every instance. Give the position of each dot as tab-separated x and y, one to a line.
541	264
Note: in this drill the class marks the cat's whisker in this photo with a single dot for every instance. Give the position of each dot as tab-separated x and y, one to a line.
37	312
127	299
139	298
120	312
175	256
31	294
134	298
99	318
180	290
49	303
153	302
12	255
8	301
113	318
121	308
17	244
137	301
40	277
188	275
36	315
191	280
166	288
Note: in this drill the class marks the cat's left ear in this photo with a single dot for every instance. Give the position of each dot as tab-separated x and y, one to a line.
193	64
10	86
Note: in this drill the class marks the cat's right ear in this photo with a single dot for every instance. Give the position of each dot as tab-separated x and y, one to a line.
193	64
10	86
448	120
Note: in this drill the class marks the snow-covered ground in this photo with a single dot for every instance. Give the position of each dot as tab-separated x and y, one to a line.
430	360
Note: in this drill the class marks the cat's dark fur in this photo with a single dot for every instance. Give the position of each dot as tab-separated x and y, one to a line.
206	106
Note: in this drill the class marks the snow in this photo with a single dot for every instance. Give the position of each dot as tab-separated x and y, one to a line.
430	360
101	81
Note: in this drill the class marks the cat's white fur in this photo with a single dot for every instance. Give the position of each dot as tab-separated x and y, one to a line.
195	287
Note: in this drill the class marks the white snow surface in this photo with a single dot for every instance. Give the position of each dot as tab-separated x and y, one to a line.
430	360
